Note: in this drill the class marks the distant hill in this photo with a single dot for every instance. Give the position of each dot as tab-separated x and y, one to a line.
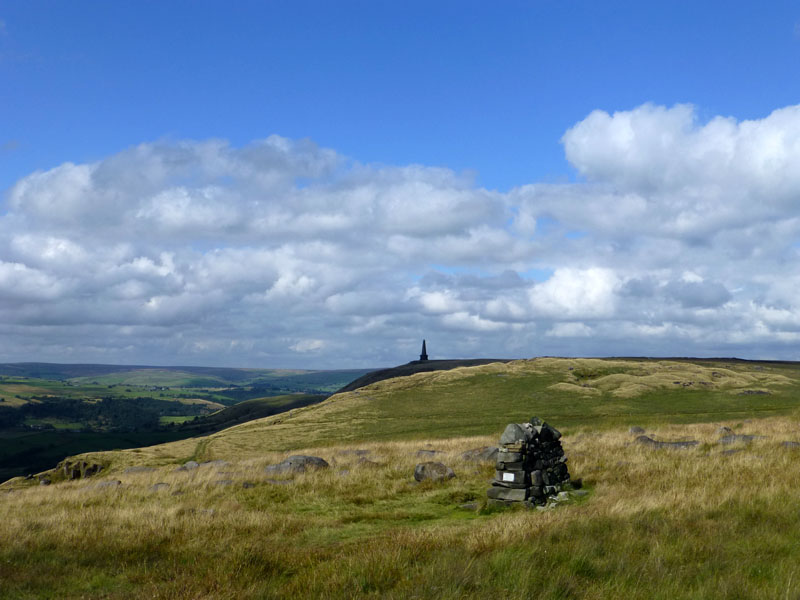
248	410
417	366
481	400
291	379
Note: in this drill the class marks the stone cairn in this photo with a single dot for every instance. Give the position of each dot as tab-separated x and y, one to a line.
531	465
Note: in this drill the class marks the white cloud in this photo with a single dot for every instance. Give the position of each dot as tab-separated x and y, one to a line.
682	240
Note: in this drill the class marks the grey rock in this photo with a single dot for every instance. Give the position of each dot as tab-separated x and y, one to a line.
79	469
433	471
424	453
790	444
113	483
650	442
579	493
636	429
485	454
157	487
724	431
508	494
562	496
139	470
298	464
188	466
248	484
214	463
469	506
738	439
514	433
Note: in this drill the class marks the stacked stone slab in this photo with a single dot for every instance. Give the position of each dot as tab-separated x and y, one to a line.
531	465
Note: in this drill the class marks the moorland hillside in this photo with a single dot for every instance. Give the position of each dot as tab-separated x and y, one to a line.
715	519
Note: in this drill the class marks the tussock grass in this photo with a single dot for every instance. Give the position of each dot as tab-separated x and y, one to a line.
656	524
692	523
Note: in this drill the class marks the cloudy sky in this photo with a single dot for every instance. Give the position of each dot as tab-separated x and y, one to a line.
321	185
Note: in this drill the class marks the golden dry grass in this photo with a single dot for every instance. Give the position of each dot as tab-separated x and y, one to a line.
657	523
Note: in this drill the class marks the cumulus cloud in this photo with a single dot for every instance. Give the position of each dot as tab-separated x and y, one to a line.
680	239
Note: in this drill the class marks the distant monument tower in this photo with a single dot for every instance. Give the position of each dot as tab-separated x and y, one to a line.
424	355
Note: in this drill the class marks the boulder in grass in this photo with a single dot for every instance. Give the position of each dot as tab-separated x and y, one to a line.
648	441
736	438
433	471
790	444
636	430
189	465
298	464
485	454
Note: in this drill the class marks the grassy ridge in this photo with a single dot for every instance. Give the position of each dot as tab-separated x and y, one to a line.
479	400
656	524
696	523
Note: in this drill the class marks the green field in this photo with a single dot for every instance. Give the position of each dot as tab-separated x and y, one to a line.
146	404
697	523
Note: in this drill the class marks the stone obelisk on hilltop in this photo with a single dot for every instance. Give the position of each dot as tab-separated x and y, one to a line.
424	355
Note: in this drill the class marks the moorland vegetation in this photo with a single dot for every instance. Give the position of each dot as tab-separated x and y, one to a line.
714	520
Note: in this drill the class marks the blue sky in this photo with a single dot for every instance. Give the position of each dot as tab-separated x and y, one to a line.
462	107
487	87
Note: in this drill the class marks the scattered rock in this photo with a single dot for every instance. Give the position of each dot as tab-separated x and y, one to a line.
724	431
433	471
188	466
562	497
113	483
139	470
157	487
790	444
636	430
78	469
469	506
579	493
738	438
485	454
427	452
248	484
648	441
298	464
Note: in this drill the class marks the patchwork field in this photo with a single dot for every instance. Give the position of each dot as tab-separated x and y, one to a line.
713	521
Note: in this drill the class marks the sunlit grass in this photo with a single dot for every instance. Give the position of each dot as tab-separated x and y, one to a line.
694	523
656	524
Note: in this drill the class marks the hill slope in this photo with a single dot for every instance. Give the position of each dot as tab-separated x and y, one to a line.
713	521
469	401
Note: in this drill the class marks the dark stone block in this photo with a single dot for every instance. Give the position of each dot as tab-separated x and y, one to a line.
433	471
